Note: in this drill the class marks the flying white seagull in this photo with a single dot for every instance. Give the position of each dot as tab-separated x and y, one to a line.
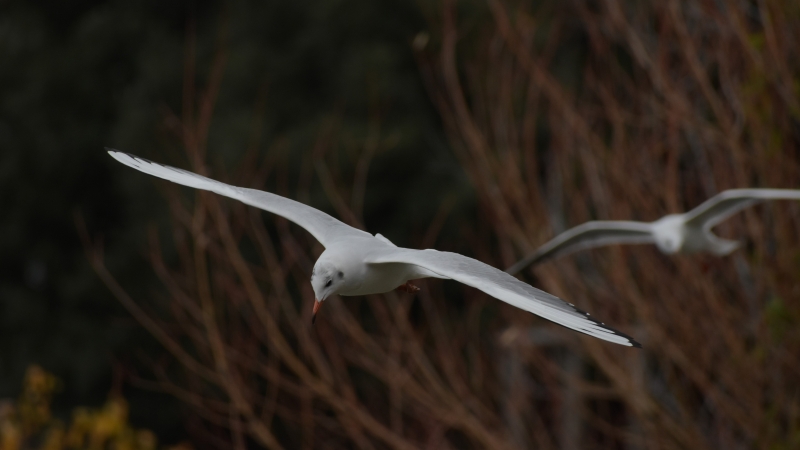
357	263
675	233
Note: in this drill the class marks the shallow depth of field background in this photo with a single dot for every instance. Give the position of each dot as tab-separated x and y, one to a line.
481	127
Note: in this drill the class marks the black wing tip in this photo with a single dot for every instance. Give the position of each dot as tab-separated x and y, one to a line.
631	341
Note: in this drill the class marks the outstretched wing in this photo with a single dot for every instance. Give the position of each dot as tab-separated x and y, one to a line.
502	286
592	234
323	227
727	203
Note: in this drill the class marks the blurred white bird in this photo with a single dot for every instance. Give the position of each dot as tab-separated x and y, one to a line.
675	233
357	263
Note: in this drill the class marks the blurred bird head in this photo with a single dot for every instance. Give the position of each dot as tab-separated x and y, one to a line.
670	233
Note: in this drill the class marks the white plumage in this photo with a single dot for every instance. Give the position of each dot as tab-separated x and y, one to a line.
357	263
675	233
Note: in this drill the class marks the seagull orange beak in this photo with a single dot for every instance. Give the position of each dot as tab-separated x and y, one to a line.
317	305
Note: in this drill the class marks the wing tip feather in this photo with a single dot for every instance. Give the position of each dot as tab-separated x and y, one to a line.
151	167
126	158
631	342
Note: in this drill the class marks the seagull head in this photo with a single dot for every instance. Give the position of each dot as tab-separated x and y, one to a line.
670	233
326	279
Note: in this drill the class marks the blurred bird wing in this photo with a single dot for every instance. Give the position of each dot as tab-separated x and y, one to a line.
588	235
727	203
323	227
502	286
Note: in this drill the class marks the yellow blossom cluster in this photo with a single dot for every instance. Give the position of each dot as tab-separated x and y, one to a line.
28	423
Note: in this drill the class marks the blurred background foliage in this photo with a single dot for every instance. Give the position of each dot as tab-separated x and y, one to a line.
475	126
78	77
29	423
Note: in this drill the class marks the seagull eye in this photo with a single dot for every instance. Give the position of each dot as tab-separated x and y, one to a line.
328	284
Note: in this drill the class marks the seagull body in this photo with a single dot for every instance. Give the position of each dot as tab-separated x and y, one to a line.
357	263
674	233
348	256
